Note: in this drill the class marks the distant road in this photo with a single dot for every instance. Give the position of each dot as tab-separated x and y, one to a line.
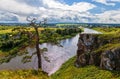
90	31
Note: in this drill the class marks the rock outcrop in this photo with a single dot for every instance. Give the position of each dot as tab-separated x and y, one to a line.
110	59
87	44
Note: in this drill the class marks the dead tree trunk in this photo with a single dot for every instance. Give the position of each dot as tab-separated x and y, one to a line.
37	48
33	23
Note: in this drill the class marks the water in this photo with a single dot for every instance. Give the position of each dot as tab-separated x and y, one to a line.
56	55
90	31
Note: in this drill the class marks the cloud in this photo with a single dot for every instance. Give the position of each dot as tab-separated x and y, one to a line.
34	3
8	17
112	16
15	7
107	2
56	11
81	6
52	9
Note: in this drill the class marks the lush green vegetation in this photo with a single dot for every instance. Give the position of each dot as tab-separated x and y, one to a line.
13	37
69	71
110	38
67	25
107	30
54	35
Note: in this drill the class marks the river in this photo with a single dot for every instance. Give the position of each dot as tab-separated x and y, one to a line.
90	31
56	55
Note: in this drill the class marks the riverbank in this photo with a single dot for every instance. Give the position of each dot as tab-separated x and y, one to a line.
69	71
13	38
52	59
50	35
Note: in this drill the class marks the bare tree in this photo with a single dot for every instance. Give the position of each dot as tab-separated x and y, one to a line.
35	25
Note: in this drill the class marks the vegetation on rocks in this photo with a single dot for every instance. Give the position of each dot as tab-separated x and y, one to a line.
69	71
110	38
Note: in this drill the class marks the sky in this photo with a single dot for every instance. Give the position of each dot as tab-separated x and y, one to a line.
75	11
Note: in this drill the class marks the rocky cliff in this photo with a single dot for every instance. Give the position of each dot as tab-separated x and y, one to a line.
99	50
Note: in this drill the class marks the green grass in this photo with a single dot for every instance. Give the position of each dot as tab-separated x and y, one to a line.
23	74
107	47
8	29
105	30
68	71
111	35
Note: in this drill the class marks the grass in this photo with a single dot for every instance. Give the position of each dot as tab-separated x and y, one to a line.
23	74
105	30
8	29
107	47
109	34
68	71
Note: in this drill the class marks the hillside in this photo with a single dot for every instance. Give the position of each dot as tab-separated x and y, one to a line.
69	71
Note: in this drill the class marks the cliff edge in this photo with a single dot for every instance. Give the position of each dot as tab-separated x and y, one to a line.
101	50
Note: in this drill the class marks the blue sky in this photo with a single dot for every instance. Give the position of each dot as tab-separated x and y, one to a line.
79	11
70	2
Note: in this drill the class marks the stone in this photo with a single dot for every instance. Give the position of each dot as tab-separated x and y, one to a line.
109	59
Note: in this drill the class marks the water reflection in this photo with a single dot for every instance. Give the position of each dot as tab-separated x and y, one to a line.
56	54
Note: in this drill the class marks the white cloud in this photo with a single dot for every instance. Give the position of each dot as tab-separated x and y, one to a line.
55	11
45	8
81	6
107	2
15	7
112	16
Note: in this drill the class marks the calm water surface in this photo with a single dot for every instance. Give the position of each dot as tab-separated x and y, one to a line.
56	55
